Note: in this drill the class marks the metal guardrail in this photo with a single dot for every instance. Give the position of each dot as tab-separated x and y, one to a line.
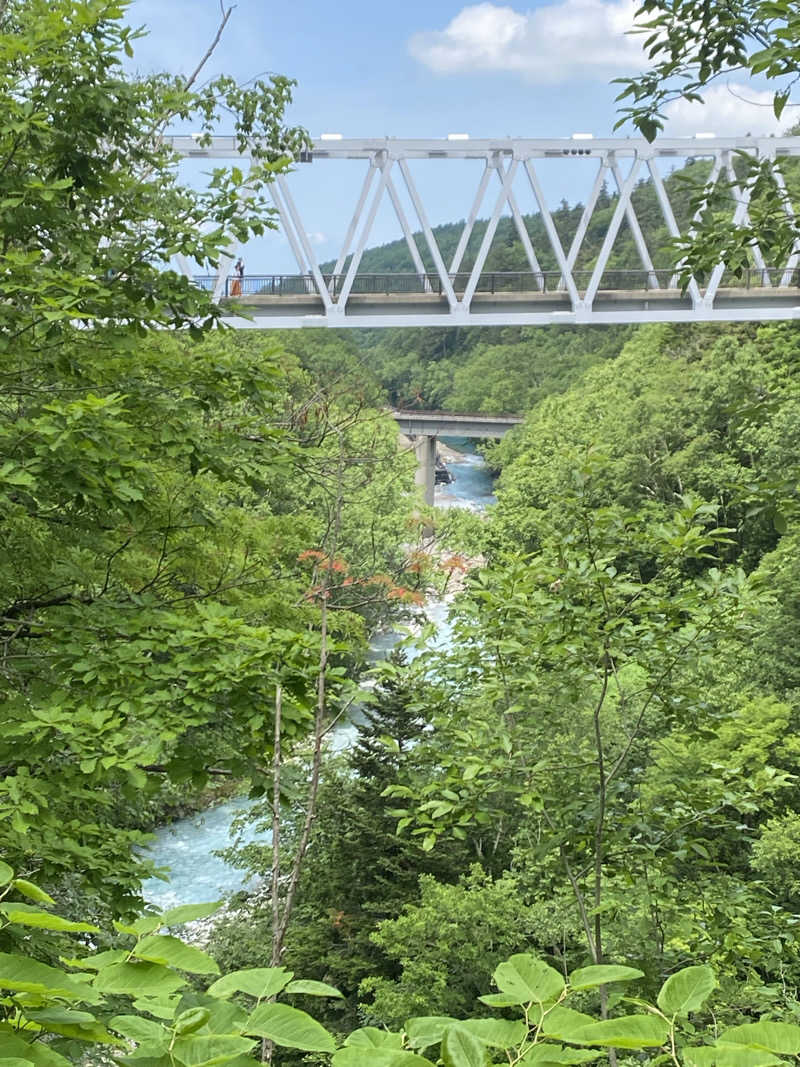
388	284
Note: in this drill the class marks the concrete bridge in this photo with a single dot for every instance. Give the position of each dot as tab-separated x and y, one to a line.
439	293
424	427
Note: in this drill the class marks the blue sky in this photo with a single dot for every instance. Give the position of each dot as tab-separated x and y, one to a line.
414	69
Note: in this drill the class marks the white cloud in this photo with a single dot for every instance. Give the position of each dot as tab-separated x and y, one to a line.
549	45
728	111
318	238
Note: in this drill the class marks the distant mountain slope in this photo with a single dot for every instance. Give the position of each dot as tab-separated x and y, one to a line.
507	253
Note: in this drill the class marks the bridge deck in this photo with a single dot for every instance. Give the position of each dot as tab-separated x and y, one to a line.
447	424
281	301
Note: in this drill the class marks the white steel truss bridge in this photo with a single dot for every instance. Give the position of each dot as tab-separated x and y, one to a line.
449	294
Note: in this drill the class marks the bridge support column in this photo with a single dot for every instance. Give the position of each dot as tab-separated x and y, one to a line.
425	448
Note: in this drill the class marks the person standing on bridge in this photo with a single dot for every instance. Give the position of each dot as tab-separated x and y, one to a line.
238	277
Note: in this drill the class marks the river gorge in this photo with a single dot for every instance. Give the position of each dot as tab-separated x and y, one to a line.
187	848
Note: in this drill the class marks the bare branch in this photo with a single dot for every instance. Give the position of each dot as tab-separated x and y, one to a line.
210	51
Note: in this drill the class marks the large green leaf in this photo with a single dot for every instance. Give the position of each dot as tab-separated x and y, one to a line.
686	990
629	1031
187	913
145	924
701	1056
782	1038
206	1049
163	948
25	915
372	1037
596	975
37	1054
425	1030
135	1028
545	1053
729	1056
527	978
163	1007
6	873
32	892
101	960
258	982
225	1017
55	1013
29	976
499	1000
289	1027
15	1061
353	1056
497	1033
460	1048
560	1021
139	980
144	1056
66	1022
313	989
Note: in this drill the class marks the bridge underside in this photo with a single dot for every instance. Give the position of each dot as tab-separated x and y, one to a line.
423	427
525	309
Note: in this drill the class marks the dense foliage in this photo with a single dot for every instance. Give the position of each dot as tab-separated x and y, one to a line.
135	1004
594	782
158	494
609	767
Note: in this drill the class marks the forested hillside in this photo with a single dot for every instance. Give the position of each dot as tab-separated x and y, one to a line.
567	833
603	763
507	254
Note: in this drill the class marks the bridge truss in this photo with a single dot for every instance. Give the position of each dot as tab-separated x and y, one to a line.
449	295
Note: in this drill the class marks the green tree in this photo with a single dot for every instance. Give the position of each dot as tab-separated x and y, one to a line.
151	597
567	670
446	946
691	44
357	872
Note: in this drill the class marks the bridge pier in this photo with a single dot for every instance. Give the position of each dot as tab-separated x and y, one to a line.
425	448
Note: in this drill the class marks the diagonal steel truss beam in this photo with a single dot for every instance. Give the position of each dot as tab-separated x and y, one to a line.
183	265
411	244
611	234
636	230
305	243
552	236
506	196
586	218
794	257
385	166
351	229
288	228
739	216
758	257
524	236
669	219
466	233
506	178
433	247
710	183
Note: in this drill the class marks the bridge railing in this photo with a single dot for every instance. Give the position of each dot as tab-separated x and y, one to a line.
490	282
